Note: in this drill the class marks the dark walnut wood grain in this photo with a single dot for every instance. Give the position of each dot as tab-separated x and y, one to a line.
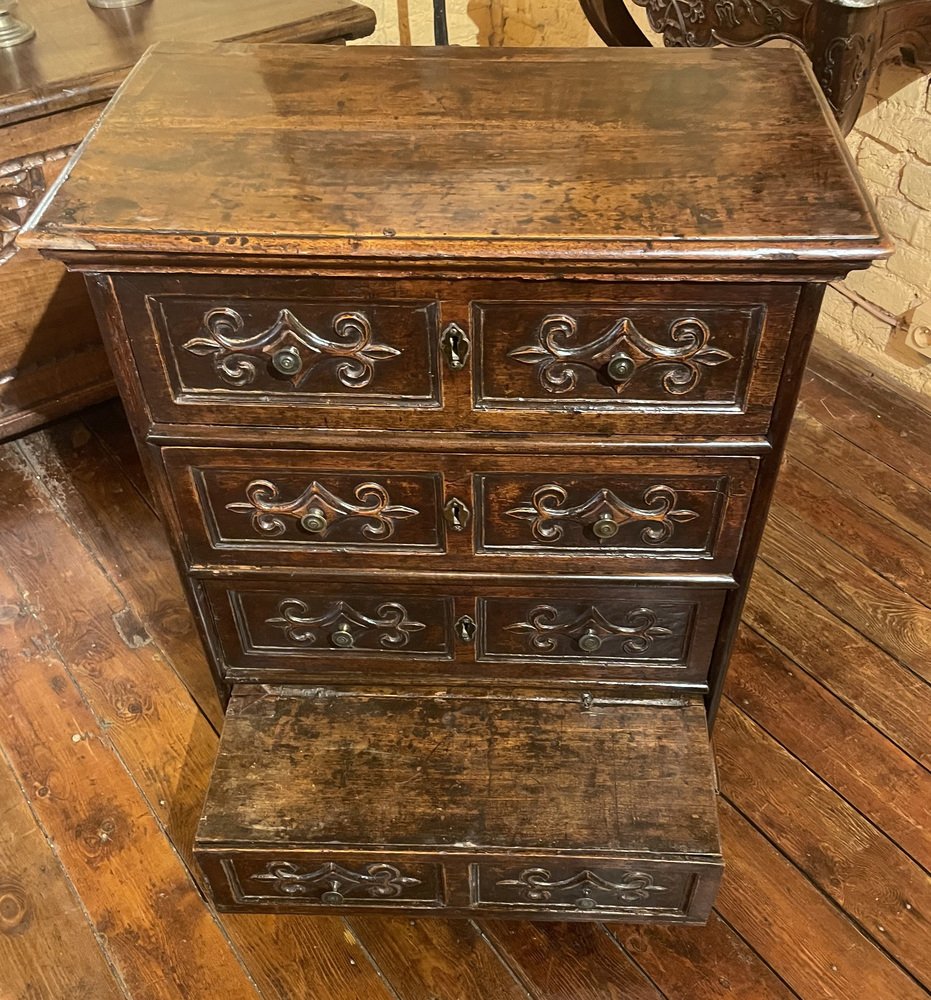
52	88
377	761
464	416
635	357
611	170
641	514
454	631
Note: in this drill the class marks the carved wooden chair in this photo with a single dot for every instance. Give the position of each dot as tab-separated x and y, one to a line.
845	39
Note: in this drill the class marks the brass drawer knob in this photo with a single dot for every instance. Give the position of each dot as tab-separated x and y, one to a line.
605	526
342	638
621	367
590	641
457	514
287	361
456	346
314	520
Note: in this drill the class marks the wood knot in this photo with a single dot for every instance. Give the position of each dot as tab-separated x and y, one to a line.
99	835
14	909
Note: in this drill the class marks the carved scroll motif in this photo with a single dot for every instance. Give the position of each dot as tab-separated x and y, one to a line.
301	626
236	356
620	355
703	22
544	628
547	510
22	184
536	885
850	56
377	881
270	512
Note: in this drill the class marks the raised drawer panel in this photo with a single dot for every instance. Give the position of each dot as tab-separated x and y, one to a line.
317	622
365	510
594	887
306	351
653	361
613	356
310	882
302	509
646	509
636	628
279	630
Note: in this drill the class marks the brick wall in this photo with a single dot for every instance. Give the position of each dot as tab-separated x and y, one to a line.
870	312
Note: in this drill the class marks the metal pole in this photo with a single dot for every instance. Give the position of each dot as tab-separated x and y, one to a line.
440	31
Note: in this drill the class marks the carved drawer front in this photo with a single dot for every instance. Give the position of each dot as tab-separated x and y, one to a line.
658	628
292	626
699	360
265	350
588	886
308	881
286	505
634	511
280	630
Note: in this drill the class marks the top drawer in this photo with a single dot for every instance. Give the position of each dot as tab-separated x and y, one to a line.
599	358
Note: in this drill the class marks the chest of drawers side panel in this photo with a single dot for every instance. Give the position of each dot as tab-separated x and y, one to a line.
783	410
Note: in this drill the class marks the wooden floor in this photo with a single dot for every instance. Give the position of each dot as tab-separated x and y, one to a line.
108	727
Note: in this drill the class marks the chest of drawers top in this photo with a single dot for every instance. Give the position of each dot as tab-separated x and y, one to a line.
513	159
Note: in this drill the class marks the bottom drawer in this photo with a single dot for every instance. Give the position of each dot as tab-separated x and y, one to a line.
281	631
329	800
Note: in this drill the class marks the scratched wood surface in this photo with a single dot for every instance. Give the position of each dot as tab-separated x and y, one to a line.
109	729
722	130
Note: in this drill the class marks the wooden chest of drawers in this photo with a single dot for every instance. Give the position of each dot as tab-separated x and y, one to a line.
462	377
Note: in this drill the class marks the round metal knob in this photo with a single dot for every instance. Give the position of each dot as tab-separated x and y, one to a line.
621	367
287	361
342	638
590	641
314	520
605	527
332	897
586	903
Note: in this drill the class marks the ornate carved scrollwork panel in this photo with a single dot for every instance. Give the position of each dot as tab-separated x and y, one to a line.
583	890
545	625
288	348
621	355
604	513
334	883
23	181
317	510
345	624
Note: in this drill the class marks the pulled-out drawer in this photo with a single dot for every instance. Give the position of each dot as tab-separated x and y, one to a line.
472	803
649	513
271	630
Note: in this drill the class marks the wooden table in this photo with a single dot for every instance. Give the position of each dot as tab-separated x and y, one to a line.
845	39
51	90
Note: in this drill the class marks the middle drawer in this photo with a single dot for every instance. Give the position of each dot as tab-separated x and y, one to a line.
644	513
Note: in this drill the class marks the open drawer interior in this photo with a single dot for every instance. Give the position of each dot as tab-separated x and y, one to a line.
558	806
